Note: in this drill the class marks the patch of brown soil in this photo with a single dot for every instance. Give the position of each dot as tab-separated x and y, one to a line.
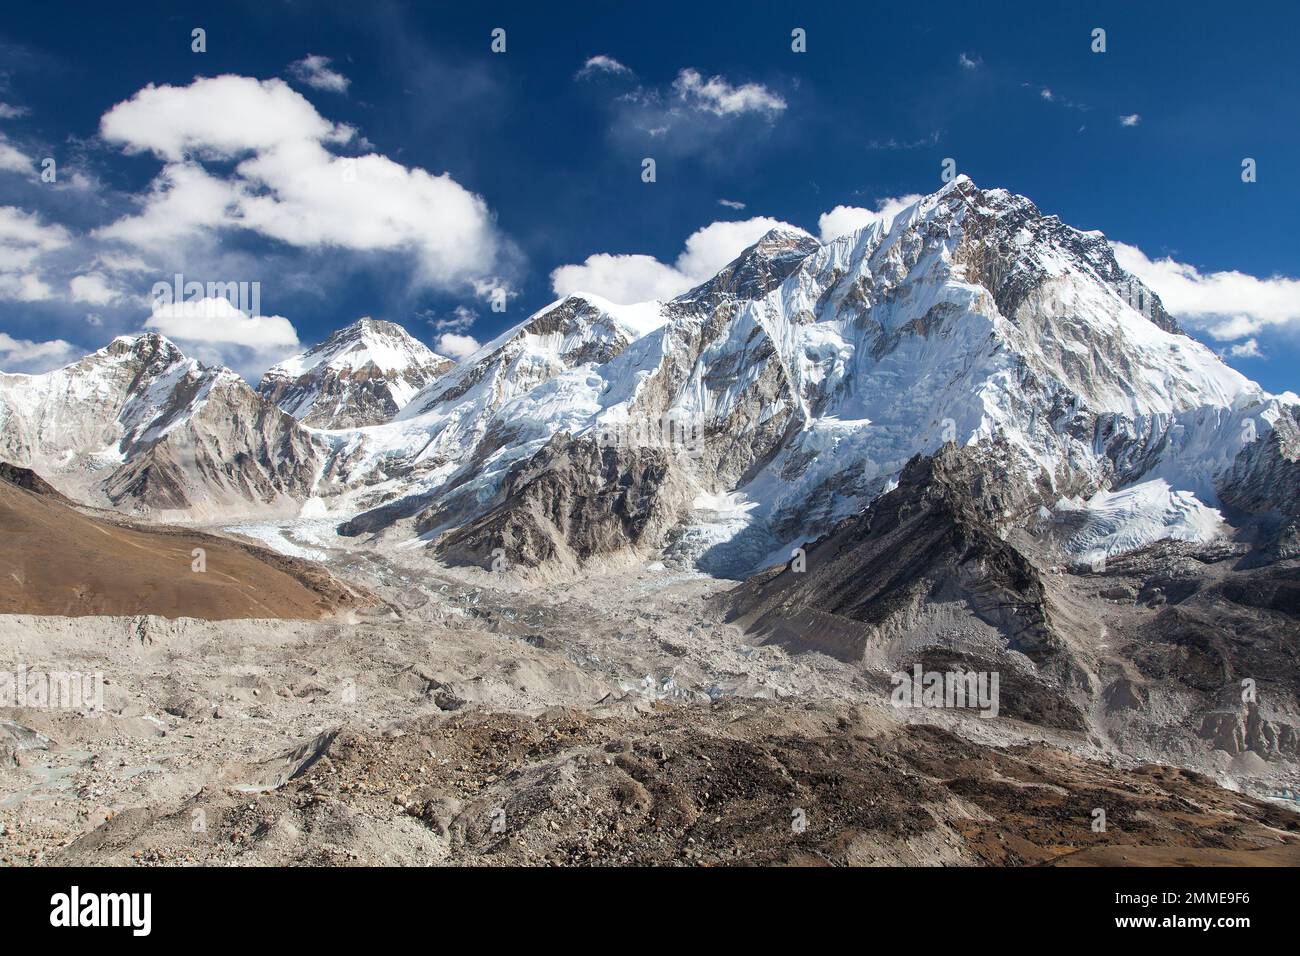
57	560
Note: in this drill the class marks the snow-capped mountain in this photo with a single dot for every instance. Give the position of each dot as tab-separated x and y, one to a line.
730	425
812	374
140	426
361	375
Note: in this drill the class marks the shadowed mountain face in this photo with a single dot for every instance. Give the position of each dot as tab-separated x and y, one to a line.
1157	644
57	560
141	427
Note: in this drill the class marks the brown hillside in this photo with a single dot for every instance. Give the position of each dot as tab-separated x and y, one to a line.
57	560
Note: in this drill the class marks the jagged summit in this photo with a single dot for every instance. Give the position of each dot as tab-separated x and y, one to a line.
361	375
759	268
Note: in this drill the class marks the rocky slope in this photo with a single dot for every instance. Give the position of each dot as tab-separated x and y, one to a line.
741	783
361	375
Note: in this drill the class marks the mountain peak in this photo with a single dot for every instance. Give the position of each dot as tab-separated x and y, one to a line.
759	268
150	345
363	374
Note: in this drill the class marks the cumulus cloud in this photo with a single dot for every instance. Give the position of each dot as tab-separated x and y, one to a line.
715	95
602	64
843	220
217	320
456	346
1228	305
286	184
461	318
620	278
23	240
12	158
1132	119
1247	349
93	288
639	278
24	355
315	72
695	114
220	117
969	61
213	330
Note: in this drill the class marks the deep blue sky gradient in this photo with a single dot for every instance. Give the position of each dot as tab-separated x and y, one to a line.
1213	82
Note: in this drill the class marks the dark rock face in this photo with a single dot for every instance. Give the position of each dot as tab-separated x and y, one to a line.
573	501
29	480
993	248
235	448
931	541
1265	476
758	270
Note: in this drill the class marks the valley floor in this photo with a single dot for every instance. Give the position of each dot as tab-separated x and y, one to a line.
471	720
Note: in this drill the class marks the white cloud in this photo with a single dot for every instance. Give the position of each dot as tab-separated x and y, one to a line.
24	355
315	72
970	61
462	318
183	201
287	185
1247	349
624	279
731	203
221	117
456	346
13	159
1046	94
602	64
1229	305
715	95
639	278
215	320
23	240
1132	119
19	228
92	288
843	220
8	111
709	249
25	287
214	331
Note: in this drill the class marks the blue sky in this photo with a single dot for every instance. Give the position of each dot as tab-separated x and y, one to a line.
474	171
